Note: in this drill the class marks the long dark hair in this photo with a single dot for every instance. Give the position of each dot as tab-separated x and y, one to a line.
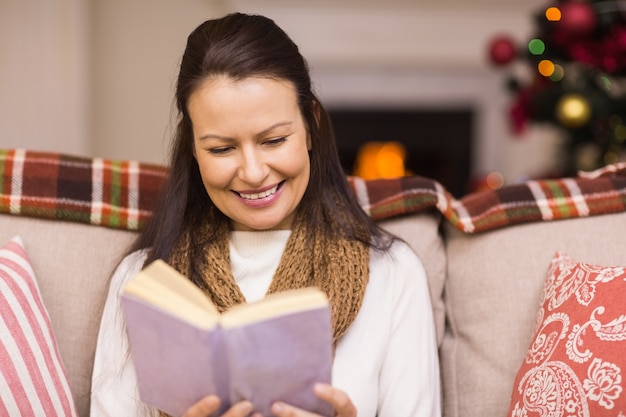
241	46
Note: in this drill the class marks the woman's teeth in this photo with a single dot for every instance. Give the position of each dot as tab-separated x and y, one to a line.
259	195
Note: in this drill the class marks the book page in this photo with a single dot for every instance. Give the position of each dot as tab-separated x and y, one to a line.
275	305
163	286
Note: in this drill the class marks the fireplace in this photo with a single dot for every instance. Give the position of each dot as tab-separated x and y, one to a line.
436	142
450	122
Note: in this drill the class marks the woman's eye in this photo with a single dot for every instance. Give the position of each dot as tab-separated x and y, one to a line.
219	151
276	141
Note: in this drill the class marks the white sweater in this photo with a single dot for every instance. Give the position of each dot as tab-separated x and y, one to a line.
387	362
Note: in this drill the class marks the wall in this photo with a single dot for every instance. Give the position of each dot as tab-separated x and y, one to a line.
44	75
101	73
137	47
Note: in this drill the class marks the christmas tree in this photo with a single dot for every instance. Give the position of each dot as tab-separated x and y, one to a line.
576	79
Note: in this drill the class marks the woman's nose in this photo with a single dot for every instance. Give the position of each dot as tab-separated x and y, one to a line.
253	169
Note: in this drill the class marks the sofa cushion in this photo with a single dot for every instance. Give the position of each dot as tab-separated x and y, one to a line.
31	370
575	364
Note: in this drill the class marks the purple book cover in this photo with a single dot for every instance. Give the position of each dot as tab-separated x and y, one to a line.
281	359
276	359
177	363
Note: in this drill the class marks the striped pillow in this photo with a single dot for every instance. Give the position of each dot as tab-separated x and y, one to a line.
32	377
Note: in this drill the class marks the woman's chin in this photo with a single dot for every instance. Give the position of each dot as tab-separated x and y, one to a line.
264	226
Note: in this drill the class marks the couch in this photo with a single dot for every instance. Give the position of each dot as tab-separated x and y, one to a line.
486	255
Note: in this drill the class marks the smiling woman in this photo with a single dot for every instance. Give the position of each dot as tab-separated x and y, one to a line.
253	158
256	203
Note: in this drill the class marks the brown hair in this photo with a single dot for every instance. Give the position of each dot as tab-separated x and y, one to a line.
240	46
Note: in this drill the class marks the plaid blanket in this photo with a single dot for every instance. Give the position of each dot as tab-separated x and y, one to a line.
121	194
117	194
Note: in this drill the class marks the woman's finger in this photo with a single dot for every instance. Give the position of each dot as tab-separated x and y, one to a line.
209	404
338	399
204	407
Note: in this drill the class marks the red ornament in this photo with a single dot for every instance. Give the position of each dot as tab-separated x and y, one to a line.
578	19
502	50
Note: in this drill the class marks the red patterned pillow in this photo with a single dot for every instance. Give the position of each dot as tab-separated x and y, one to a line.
32	377
576	363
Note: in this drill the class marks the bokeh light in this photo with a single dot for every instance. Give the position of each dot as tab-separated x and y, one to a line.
610	157
573	110
494	180
620	133
546	67
558	73
615	120
536	47
553	14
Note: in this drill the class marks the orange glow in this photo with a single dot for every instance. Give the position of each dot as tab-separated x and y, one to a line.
380	160
553	14
495	180
546	68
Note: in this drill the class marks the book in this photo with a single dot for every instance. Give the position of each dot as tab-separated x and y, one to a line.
183	349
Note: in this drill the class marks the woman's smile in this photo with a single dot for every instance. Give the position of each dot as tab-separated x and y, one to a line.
260	198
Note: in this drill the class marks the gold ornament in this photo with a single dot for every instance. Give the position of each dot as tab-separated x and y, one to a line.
573	110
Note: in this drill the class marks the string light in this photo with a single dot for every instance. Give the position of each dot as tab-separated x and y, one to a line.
494	180
536	47
615	121
553	14
546	67
573	110
610	157
620	133
558	73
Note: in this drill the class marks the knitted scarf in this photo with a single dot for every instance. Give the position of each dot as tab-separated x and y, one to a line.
336	265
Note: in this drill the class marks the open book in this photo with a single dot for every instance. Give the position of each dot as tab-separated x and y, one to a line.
183	349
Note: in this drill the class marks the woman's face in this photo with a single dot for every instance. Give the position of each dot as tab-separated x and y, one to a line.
251	144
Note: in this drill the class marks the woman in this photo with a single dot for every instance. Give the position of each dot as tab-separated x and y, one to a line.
257	202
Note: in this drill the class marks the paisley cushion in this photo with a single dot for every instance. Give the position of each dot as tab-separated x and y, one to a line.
576	365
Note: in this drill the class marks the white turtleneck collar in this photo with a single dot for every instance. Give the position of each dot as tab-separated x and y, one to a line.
254	257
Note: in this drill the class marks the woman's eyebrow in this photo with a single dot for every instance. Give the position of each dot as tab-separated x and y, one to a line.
272	127
261	133
214	136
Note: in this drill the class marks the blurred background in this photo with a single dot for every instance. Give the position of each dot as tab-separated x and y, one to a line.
423	87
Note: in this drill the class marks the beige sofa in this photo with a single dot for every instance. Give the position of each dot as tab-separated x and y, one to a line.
486	260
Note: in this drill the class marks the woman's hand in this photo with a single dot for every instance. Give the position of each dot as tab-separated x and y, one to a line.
209	404
338	399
